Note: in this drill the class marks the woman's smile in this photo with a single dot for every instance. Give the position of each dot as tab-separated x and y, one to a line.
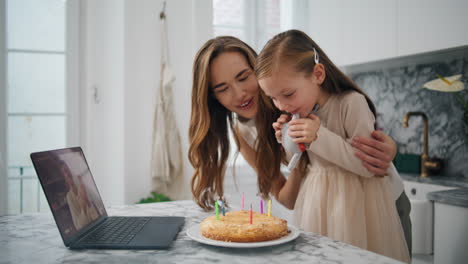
247	104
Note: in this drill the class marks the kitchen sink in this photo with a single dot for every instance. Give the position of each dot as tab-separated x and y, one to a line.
422	215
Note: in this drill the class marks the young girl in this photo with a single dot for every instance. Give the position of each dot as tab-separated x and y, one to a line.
225	95
334	194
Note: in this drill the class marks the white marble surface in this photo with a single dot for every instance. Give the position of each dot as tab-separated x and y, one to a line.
35	239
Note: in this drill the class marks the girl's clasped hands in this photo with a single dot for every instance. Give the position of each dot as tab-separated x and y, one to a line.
301	130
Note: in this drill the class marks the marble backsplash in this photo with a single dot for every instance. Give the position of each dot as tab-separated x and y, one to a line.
395	86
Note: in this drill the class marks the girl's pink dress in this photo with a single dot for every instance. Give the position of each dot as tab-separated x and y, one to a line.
339	197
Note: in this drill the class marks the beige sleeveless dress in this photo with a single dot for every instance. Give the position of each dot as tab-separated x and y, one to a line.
338	197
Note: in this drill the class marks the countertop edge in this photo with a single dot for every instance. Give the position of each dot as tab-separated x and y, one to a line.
456	197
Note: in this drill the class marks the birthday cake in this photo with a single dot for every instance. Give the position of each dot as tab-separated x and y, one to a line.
236	227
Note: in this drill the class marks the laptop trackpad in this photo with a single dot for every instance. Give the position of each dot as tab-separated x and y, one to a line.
159	232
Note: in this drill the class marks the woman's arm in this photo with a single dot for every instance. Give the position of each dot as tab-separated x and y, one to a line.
285	191
377	152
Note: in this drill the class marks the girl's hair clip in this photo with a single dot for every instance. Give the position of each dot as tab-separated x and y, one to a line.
316	56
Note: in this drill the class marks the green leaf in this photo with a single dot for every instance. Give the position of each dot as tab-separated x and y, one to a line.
155	198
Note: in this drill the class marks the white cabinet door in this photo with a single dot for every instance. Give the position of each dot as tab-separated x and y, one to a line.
427	25
360	31
369	30
450	234
354	31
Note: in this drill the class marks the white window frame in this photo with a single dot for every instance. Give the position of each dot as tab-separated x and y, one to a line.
296	16
299	18
3	112
72	93
250	11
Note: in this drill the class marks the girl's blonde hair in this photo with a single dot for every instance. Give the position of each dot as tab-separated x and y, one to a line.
293	48
208	131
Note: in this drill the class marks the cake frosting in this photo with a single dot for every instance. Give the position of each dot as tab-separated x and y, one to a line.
236	227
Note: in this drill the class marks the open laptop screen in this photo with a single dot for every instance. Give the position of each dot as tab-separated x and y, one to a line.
70	189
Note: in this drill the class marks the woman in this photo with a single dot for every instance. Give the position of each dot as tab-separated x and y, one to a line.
225	93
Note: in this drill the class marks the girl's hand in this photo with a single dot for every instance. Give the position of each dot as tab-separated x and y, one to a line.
376	153
304	130
279	124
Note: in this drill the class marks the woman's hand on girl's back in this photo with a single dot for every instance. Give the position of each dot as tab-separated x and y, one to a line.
304	130
376	153
283	119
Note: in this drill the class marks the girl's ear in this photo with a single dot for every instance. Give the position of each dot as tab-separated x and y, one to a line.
319	73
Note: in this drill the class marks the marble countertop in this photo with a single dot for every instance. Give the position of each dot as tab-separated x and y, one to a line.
457	197
35	239
450	181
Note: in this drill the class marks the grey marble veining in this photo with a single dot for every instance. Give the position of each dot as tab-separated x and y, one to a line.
458	197
395	86
35	239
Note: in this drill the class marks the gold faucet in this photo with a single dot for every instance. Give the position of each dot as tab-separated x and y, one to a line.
426	162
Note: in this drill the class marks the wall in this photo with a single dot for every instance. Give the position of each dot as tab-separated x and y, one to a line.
395	86
122	51
103	69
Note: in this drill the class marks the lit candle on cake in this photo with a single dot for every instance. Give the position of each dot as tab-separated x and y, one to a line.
269	207
251	214
261	206
216	210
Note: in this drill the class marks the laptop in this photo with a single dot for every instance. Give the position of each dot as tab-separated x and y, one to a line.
80	214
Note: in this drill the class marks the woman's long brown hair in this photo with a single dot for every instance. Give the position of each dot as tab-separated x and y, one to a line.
295	48
209	121
270	154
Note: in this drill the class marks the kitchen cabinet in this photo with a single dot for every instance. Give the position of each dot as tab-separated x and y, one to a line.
369	30
450	225
450	233
353	32
428	25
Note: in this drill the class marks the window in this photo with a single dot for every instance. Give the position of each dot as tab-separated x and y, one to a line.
251	21
40	39
255	22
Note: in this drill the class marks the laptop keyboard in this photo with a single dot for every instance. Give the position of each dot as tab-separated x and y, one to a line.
116	230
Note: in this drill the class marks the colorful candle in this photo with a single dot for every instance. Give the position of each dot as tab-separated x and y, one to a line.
224	212
261	206
242	201
251	214
269	207
217	210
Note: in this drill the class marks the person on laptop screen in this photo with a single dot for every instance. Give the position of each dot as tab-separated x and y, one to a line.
75	209
80	214
81	209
